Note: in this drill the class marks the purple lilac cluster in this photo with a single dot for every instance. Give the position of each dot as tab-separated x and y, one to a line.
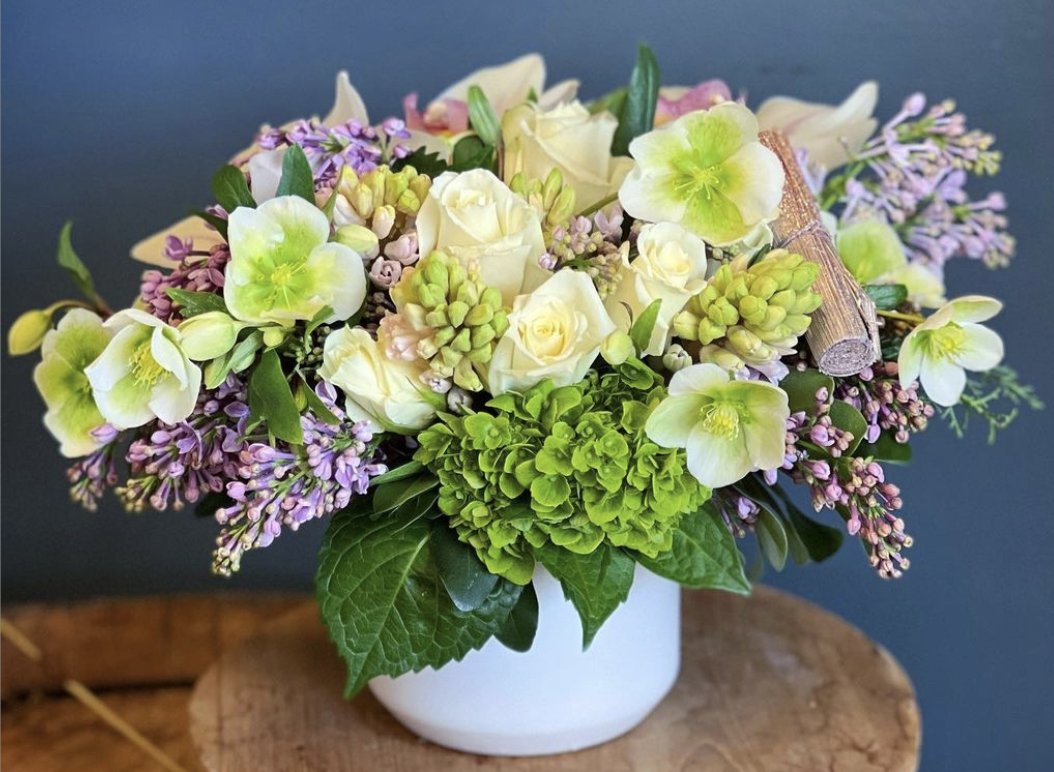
885	404
919	163
195	271
329	149
175	464
281	486
91	476
592	244
856	487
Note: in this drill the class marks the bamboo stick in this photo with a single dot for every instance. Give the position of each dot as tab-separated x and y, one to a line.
843	335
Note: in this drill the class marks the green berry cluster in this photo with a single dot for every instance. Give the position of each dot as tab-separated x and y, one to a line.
465	316
571	466
757	311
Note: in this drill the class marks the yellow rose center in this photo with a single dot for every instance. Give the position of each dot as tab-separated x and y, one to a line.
549	331
145	369
674	264
721	420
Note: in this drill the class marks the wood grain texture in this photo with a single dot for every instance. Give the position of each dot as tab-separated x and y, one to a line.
111	643
768	684
843	336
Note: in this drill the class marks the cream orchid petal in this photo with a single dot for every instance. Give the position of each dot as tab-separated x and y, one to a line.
347	104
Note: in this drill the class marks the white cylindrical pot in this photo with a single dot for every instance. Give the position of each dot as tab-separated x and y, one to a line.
554	698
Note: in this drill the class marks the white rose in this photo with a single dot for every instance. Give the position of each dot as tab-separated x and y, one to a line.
554	332
670	266
474	216
387	393
567	138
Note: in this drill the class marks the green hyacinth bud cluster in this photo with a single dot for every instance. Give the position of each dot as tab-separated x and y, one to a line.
552	199
568	466
757	311
381	199
465	316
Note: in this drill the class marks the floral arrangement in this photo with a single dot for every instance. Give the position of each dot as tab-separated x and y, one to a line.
514	329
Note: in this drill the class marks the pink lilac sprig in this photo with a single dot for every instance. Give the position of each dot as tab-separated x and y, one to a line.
329	149
885	404
282	486
913	173
591	244
195	271
176	464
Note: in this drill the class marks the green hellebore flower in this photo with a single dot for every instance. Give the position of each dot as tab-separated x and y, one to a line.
874	254
727	427
143	373
60	378
706	171
282	270
951	341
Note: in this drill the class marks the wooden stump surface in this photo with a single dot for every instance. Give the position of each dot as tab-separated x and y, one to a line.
768	684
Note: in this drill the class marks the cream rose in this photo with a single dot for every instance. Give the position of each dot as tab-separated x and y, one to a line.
554	332
474	216
567	138
670	266
386	392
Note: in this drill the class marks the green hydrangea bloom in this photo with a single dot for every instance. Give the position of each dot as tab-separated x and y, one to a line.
757	311
571	466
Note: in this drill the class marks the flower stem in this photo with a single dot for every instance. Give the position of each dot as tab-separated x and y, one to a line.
593	208
916	318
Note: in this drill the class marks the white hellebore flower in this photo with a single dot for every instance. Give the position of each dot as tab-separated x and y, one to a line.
554	332
143	373
938	352
388	393
728	427
569	138
283	269
670	266
474	216
830	135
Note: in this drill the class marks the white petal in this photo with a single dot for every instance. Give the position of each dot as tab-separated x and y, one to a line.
345	276
983	348
650	198
114	363
294	214
171	401
672	421
909	363
564	91
697	379
942	380
757	186
167	354
265	172
347	105
974	308
505	85
716	462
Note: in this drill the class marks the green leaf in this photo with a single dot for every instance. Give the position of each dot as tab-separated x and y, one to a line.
318	408
231	190
595	583
320	316
217	222
381	597
637	115
849	419
194	303
820	540
801	387
466	579
886	448
887	296
640	332
704	555
389	496
518	631
409	469
472	153
772	538
297	178
79	272
425	162
271	400
612	102
482	118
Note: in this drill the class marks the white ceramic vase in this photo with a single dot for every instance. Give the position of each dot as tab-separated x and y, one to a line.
554	698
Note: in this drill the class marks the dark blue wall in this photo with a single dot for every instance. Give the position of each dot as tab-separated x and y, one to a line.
118	114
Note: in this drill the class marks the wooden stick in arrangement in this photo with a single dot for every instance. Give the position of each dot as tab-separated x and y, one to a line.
843	336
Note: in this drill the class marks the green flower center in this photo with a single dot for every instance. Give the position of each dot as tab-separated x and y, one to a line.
695	180
145	369
721	420
282	276
948	342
